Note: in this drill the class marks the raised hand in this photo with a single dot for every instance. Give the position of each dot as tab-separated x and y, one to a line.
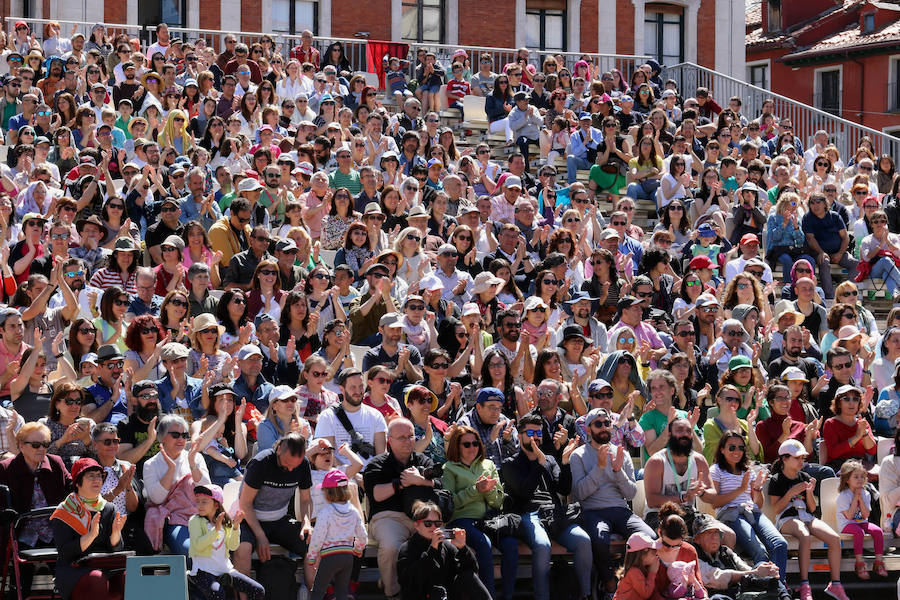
619	459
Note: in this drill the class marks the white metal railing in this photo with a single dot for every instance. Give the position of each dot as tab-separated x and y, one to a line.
806	119
66	27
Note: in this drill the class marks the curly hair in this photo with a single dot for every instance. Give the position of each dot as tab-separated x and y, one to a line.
133	334
730	299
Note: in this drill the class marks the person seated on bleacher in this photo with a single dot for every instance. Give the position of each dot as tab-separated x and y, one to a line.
393	480
603	481
848	434
432	565
724	573
270	481
584	147
85	523
672	532
738	499
533	482
878	251
827	239
498	433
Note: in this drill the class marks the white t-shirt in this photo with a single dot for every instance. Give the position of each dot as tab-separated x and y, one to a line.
843	503
367	421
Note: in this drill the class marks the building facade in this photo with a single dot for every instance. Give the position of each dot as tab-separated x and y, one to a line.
842	57
706	32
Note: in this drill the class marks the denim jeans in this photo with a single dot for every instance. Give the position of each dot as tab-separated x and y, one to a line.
573	538
639	191
601	523
573	163
886	269
761	540
177	538
481	545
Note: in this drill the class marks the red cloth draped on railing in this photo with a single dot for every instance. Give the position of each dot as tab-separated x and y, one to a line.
376	50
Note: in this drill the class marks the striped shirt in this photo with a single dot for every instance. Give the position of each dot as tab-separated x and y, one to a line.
106	277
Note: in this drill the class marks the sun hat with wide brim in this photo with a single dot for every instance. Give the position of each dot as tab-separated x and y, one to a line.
202	322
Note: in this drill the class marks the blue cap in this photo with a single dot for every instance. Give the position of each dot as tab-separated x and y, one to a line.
435	162
490	394
597	385
579	295
326	98
706	230
585	115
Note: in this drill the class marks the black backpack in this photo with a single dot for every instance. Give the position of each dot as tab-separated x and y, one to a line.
276	575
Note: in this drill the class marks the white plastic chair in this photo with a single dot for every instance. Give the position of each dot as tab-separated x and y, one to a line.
231	493
358	352
473	108
885	447
639	502
327	257
371	79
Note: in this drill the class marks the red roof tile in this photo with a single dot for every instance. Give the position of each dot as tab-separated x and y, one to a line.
850	38
754	12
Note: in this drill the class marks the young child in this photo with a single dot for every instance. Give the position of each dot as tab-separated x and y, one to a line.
395	80
343	279
338	537
704	246
213	536
637	575
853	506
559	139
457	87
791	495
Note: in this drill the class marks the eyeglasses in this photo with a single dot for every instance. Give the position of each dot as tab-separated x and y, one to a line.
180	434
59	236
734	447
37	445
109	441
851	398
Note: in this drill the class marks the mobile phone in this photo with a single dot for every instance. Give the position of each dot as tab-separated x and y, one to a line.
447	533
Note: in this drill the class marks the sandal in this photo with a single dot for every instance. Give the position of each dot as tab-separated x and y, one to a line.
878	567
861	570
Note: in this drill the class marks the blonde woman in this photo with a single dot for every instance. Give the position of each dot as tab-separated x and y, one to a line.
174	132
415	263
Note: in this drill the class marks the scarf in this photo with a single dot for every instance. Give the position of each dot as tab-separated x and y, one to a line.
534	333
76	511
416	335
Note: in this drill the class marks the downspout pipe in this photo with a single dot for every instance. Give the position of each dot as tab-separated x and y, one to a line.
862	87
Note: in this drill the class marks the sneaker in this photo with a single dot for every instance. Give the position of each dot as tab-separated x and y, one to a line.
836	591
805	592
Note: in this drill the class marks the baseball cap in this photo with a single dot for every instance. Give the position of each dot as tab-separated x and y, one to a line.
334	478
390	320
248	350
211	490
641	541
792	448
749	238
490	394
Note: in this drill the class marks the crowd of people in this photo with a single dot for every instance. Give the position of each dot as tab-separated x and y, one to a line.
249	268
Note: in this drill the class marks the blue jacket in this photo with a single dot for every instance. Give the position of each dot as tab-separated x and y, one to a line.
192	392
258	397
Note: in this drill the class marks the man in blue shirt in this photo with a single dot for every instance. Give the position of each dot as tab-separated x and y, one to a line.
251	385
178	393
827	240
196	206
584	143
108	397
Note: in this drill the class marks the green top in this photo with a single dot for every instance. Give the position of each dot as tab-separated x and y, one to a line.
469	503
349	181
712	433
657	421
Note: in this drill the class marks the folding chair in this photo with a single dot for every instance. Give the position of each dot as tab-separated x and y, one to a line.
154	577
21	556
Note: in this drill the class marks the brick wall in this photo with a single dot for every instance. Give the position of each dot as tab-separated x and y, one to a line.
706	38
251	16
491	23
211	15
113	12
347	18
588	28
624	27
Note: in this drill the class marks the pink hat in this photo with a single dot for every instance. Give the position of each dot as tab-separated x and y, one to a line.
266	128
641	541
333	478
211	490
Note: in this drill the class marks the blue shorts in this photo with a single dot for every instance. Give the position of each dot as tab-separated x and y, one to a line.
432	89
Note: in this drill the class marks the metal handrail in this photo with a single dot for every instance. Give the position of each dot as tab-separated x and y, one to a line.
806	119
66	26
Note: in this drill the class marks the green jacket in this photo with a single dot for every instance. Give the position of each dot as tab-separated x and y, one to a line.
469	503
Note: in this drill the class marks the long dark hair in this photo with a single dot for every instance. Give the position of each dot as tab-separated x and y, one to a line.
496	93
75	348
684	225
222	315
510	287
540	364
720	453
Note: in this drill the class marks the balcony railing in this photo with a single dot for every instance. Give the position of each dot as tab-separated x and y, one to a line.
806	119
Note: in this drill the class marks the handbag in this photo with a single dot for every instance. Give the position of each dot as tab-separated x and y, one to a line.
500	526
555	519
357	443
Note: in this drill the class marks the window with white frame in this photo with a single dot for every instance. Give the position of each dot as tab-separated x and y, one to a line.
293	16
758	74
545	29
828	86
422	21
664	33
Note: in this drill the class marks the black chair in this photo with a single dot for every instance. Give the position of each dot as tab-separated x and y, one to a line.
12	524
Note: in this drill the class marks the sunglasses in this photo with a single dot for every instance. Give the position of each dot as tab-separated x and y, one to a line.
86	330
440	366
734	447
318	373
469	444
37	445
550	281
413	237
416	306
180	434
121	302
146	330
109	441
623	340
601	395
430	523
72	401
181	303
850	293
842	365
533	433
599	423
268	272
383	380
